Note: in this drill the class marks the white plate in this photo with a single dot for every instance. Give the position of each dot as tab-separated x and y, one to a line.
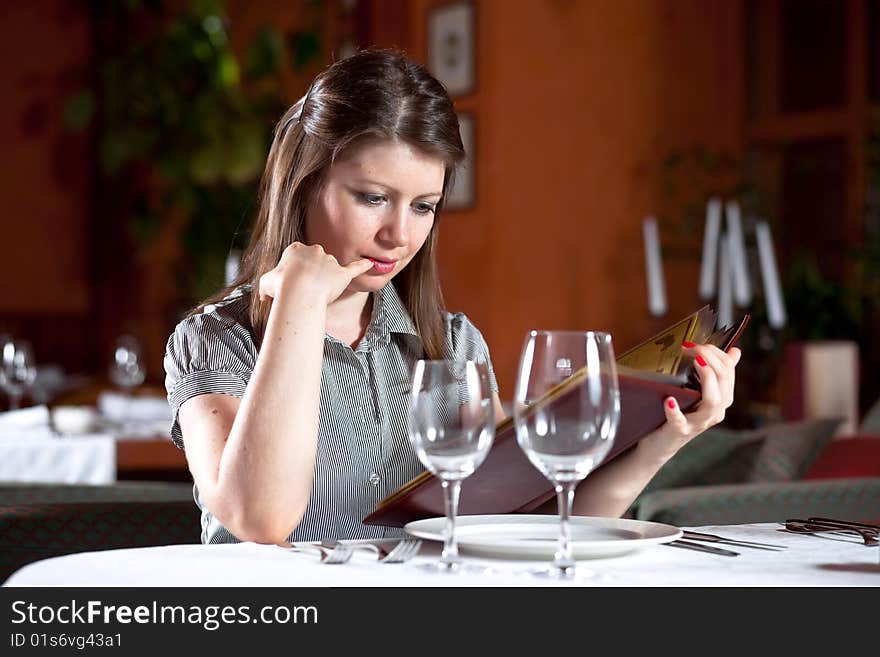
518	536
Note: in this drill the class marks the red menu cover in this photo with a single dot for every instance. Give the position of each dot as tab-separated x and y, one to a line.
507	482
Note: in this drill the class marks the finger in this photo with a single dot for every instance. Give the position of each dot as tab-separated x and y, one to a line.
676	419
735	353
723	366
359	267
262	288
712	401
710	351
717	360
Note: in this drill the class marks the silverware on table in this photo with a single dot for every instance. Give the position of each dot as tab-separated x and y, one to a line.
874	529
869	534
387	550
712	538
338	554
392	550
699	547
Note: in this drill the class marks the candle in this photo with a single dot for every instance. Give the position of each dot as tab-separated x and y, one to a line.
725	284
742	289
710	249
776	316
654	268
232	266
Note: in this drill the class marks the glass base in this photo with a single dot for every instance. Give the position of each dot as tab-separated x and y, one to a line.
572	573
455	568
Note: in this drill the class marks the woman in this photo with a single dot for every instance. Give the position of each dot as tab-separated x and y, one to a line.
289	386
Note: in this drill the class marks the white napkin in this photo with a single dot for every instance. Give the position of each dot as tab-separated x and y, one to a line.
123	408
25	418
128	417
35	455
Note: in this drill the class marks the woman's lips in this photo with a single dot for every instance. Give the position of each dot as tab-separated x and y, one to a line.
383	266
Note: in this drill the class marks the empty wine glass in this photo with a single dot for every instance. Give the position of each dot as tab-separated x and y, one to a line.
566	430
451	427
127	364
18	370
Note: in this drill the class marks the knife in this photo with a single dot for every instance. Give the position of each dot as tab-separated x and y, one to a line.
702	548
712	538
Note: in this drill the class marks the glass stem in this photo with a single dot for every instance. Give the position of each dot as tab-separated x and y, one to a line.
451	490
14	402
565	496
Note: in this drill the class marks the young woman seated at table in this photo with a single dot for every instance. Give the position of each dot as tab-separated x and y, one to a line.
289	386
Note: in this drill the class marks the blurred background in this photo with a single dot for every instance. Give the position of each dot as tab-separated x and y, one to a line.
135	133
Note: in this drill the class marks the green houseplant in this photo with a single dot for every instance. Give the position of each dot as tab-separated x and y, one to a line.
182	121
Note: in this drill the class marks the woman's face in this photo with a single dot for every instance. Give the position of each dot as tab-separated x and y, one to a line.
377	202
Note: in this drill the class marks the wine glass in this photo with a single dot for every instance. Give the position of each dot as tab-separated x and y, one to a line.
127	364
451	427
566	430
18	370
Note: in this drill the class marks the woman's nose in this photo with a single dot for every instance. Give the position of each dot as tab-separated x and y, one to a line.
395	229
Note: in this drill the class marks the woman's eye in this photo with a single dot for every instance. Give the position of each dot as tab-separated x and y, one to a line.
373	199
424	208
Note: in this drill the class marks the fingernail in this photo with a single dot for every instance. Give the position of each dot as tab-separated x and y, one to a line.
671	404
688	345
701	361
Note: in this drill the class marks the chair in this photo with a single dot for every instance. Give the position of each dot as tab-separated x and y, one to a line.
38	521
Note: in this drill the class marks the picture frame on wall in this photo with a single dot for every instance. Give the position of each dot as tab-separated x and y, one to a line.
451	47
462	196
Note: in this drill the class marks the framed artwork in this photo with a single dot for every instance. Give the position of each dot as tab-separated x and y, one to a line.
463	193
451	48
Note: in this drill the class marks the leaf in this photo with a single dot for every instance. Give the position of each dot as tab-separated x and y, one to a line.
79	110
263	54
246	153
117	149
305	45
227	70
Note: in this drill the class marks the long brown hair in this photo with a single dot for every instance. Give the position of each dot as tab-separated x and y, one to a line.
377	93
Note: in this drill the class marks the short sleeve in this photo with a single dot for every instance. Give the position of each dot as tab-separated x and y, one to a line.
206	354
465	342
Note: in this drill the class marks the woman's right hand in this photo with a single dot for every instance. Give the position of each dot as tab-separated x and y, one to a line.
310	269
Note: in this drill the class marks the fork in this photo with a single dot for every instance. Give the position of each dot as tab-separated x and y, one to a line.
402	550
712	538
337	554
799	526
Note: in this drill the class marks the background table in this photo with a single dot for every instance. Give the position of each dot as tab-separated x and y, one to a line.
808	561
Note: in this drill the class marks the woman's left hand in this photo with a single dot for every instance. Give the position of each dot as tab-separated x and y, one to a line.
716	371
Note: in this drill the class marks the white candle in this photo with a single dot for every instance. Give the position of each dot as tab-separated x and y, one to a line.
725	284
232	266
776	316
654	268
742	288
710	249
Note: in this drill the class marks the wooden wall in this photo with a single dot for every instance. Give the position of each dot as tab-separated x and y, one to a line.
577	104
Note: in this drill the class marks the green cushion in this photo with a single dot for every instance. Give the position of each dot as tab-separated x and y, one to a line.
704	459
782	451
790	448
852	499
871	421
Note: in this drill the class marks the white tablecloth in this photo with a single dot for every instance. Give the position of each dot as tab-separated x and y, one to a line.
31	452
808	561
34	456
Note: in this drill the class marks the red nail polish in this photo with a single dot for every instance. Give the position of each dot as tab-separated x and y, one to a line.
701	361
671	403
688	345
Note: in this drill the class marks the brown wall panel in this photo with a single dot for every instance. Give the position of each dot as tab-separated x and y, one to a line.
45	183
577	104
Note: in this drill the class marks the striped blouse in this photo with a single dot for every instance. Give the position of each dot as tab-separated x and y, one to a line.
363	450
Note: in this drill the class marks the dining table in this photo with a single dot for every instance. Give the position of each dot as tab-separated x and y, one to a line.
801	560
